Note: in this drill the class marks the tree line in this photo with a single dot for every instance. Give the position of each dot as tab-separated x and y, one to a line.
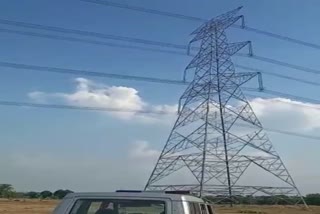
310	199
8	191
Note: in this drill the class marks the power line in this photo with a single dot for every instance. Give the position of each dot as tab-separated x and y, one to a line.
72	107
88	73
291	96
296	98
146	10
278	36
90	33
107	109
21	66
285	95
307	105
281	63
95	42
284	132
277	75
197	19
89	41
72	71
292	133
128	39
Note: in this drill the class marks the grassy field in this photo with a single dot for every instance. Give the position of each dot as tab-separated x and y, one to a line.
26	207
45	207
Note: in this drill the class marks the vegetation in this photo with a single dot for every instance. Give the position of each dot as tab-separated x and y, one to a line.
46	194
61	193
7	191
311	199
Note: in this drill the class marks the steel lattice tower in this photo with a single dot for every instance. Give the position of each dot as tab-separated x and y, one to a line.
217	136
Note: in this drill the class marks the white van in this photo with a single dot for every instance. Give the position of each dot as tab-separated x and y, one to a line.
132	202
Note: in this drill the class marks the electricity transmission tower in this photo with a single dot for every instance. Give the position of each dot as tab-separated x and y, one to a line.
217	138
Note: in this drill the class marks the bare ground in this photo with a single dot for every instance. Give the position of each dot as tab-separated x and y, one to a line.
26	206
46	207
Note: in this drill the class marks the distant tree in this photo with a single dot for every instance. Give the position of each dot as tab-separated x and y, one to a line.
10	194
20	195
61	193
7	191
32	194
46	194
313	199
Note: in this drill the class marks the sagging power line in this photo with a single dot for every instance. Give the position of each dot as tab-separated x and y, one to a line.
107	109
90	34
278	75
157	43
283	64
197	19
73	107
88	73
32	68
88	41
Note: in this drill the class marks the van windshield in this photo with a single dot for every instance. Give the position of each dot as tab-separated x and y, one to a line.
116	206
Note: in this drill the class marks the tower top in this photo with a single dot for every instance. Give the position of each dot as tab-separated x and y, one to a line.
218	23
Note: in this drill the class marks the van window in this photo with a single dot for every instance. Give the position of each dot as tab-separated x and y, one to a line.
210	209
194	208
203	209
118	206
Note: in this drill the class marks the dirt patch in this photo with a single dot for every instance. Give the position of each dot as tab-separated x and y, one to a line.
27	206
268	210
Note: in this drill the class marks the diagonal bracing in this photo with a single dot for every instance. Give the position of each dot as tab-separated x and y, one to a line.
217	137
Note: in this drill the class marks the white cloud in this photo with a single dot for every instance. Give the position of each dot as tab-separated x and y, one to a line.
142	150
135	165
92	94
278	113
286	114
38	96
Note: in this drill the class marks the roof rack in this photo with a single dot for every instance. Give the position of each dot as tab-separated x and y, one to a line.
128	191
180	192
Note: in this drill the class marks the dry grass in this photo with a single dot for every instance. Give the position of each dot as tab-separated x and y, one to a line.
46	207
26	206
268	210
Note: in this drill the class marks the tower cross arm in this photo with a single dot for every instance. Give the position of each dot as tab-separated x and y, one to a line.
242	77
233	48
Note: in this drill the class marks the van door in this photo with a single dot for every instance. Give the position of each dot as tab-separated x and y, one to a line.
194	208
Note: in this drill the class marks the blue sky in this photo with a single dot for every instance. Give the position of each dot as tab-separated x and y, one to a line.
37	143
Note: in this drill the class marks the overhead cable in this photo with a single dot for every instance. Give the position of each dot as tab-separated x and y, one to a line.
197	19
32	68
107	109
110	44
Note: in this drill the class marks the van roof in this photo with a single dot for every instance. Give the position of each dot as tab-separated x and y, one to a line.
174	197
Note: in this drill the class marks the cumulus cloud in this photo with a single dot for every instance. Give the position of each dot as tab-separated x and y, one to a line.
287	114
142	150
278	113
125	102
38	96
134	167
